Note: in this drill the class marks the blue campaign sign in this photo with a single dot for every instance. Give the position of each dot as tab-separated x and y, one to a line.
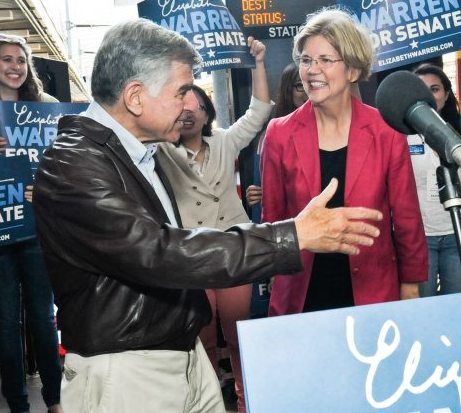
400	357
407	31
30	127
208	25
16	214
27	129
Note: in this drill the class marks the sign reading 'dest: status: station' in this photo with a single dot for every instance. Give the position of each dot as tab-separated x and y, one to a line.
266	19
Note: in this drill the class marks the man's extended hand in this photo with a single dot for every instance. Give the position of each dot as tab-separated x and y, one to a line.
342	230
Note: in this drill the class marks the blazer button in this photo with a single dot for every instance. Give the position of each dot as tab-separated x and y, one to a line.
198	203
217	183
194	187
216	199
200	222
355	270
221	218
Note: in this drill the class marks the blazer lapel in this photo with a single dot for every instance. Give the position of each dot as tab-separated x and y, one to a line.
176	157
306	144
117	148
359	145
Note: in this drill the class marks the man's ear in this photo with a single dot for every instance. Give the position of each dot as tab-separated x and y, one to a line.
132	98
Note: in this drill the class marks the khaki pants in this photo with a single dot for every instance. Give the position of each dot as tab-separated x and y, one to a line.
144	381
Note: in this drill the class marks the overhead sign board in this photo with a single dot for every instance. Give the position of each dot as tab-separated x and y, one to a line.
403	31
208	25
267	19
408	31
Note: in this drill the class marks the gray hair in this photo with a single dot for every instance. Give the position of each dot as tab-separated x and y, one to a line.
138	50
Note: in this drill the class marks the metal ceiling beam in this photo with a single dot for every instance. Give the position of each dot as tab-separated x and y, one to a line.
6	15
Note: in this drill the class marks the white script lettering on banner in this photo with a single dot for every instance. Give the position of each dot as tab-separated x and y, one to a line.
366	4
387	344
27	117
171	6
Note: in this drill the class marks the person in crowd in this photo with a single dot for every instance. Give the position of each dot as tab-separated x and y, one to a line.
335	135
128	280
444	259
23	275
201	170
290	96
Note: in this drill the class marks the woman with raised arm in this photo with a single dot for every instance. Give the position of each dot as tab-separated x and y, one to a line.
201	171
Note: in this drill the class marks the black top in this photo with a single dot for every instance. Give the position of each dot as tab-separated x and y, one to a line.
330	284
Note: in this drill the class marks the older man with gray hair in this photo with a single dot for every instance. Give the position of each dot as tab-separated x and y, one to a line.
128	280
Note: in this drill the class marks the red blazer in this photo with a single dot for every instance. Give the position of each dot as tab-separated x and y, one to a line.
378	175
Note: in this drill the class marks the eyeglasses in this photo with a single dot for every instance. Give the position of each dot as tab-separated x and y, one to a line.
298	87
202	108
323	62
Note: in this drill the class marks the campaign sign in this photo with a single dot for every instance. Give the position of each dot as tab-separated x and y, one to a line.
16	215
26	129
208	25
272	19
400	357
407	31
30	127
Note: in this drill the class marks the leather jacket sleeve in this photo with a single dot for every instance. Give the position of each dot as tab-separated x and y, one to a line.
93	213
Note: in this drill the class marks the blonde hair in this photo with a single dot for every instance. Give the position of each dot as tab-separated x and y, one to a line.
350	39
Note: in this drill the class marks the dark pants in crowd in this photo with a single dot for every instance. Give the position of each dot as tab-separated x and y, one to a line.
22	269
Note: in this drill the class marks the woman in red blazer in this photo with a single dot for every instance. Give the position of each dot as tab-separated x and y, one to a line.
335	135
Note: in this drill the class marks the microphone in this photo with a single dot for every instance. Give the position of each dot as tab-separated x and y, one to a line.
407	105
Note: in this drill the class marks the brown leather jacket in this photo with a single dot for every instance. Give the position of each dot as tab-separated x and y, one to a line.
123	278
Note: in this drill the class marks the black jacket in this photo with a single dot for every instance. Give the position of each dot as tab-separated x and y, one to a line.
123	278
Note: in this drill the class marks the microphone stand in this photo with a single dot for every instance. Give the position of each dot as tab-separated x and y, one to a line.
450	196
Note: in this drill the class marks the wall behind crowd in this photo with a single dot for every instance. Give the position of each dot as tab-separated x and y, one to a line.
54	75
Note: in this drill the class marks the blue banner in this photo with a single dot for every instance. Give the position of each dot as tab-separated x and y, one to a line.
399	357
208	25
28	128
16	215
408	31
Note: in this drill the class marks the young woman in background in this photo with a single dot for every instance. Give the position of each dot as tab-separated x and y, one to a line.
444	261
22	270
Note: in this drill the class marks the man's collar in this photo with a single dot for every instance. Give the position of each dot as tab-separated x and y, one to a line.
136	150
